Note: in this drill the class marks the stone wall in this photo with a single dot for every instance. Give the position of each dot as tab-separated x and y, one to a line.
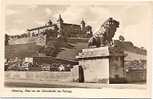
42	75
96	70
135	69
136	76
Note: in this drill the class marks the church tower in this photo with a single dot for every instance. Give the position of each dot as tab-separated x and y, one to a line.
60	26
83	25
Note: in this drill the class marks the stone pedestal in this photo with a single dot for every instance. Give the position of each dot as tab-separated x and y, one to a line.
102	64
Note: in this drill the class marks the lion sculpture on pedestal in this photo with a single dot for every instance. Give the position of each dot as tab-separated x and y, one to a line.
103	37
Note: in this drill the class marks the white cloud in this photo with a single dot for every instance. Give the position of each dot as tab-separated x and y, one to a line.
139	34
71	15
48	11
18	21
11	12
32	7
93	16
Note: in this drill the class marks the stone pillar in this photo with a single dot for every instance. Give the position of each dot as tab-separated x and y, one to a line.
98	64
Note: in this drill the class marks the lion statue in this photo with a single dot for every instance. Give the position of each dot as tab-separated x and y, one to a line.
103	37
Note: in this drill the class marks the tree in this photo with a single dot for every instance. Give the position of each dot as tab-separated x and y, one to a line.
121	38
6	39
89	30
49	51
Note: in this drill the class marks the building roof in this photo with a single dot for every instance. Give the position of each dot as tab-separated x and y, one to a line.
41	27
71	24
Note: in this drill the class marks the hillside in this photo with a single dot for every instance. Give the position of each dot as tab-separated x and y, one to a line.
59	49
70	53
129	46
21	50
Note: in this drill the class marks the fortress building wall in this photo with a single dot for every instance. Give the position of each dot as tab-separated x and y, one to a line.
38	40
39	35
71	30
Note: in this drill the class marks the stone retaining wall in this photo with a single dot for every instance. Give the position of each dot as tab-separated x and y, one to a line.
42	76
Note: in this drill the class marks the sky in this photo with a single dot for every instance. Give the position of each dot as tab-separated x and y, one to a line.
135	19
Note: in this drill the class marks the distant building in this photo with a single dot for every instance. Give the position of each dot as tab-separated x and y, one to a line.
135	61
60	29
132	54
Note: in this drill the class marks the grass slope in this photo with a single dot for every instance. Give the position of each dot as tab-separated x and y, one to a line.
21	50
63	50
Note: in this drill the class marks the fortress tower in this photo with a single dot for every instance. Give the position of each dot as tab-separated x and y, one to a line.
83	25
60	25
60	29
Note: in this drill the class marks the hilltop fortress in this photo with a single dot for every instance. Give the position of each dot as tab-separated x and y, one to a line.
56	44
51	31
61	40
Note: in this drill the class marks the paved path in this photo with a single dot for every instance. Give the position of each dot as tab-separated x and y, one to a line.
54	84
